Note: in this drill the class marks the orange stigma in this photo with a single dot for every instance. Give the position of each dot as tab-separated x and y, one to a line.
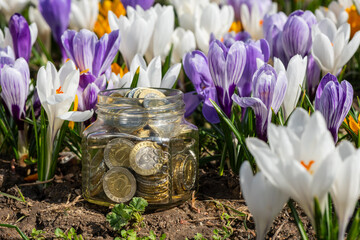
261	22
308	166
59	91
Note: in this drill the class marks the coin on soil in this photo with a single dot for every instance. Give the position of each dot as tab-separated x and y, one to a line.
146	158
119	184
117	152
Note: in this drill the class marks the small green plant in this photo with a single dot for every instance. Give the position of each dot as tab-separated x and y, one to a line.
37	234
71	235
122	214
132	235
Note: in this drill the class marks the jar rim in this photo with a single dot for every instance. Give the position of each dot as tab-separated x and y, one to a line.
171	94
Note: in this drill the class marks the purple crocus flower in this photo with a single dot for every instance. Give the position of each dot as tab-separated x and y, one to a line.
93	57
268	94
89	87
145	4
21	36
273	27
296	35
333	100
312	76
197	69
88	52
254	50
226	68
57	14
7	57
14	81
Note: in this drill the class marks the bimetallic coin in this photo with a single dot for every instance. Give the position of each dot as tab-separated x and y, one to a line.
117	152
131	93
151	93
119	184
146	158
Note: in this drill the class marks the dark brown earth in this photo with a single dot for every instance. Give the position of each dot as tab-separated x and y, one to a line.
61	206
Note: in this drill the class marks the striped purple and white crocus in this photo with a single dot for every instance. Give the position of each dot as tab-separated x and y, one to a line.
333	100
268	93
93	57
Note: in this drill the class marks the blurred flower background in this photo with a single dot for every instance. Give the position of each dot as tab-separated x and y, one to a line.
272	85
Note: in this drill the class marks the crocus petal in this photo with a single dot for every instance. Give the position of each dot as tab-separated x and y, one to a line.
170	77
90	96
77	116
105	51
20	33
260	110
349	50
154	72
192	101
263	199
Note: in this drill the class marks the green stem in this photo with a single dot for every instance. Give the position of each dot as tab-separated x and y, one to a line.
297	220
23	236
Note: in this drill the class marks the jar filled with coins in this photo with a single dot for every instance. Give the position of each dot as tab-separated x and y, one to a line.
140	145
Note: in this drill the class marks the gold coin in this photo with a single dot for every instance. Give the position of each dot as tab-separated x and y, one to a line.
119	184
151	93
117	152
146	158
112	96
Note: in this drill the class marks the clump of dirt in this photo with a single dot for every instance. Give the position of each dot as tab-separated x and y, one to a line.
61	206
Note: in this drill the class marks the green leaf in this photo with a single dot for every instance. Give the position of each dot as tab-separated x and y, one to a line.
136	78
23	236
119	216
354	232
297	220
167	63
138	204
59	233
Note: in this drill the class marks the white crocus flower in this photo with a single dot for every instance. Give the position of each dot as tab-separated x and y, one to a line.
161	37
263	199
9	7
183	41
83	14
136	31
301	159
295	74
346	3
56	92
44	31
345	191
188	12
331	48
149	76
335	12
215	21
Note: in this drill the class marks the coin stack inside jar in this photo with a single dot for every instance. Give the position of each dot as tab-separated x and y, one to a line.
145	156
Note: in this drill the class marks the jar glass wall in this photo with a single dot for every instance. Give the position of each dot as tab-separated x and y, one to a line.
140	147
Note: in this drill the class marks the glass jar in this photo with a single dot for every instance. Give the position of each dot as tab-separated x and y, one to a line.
140	147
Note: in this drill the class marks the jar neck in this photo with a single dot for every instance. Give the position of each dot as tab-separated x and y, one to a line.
111	104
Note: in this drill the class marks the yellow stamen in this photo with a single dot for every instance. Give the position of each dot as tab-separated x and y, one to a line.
59	91
236	27
308	166
85	71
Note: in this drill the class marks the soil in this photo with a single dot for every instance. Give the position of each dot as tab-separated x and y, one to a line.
61	206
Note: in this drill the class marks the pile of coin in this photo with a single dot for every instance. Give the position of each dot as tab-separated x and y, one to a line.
145	159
